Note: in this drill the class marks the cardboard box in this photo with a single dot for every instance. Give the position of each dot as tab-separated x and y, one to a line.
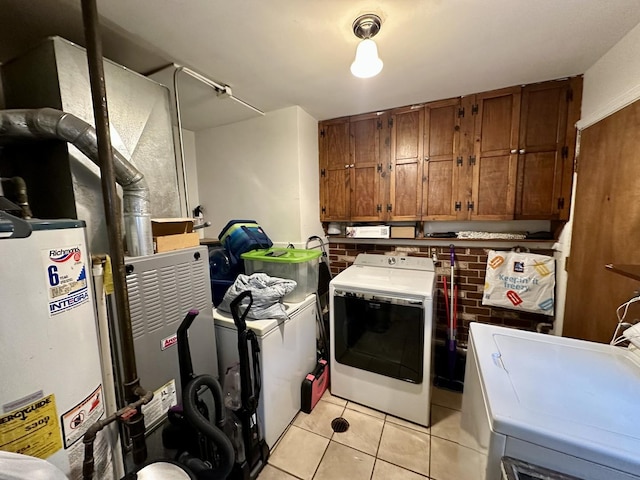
173	234
403	232
378	231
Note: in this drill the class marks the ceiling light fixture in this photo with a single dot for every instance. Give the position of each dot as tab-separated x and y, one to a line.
367	63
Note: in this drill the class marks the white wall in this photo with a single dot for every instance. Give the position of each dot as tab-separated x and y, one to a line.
613	82
309	181
264	169
610	84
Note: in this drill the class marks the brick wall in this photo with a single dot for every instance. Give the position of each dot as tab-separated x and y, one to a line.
469	277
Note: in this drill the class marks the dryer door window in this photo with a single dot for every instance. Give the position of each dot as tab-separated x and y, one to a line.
382	336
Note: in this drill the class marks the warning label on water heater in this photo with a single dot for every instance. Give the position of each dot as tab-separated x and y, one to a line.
66	277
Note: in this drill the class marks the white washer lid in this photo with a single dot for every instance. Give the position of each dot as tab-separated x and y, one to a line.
570	395
385	279
260	327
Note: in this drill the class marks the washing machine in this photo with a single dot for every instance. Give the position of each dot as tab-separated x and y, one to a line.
381	315
287	354
563	404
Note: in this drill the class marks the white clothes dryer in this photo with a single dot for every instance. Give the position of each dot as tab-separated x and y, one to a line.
563	404
381	315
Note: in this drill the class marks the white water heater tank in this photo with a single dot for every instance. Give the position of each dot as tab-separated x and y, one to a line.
52	387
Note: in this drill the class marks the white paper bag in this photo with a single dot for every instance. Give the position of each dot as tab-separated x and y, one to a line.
520	281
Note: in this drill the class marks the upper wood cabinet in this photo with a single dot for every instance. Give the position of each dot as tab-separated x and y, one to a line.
494	160
366	167
499	155
441	159
407	150
546	149
334	148
352	172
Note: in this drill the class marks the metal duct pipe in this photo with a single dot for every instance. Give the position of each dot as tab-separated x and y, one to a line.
18	189
51	123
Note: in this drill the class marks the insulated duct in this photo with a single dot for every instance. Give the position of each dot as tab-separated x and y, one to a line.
50	123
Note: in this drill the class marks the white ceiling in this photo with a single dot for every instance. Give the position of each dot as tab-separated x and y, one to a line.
279	53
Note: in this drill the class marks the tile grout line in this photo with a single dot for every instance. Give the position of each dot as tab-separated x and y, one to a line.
315	472
281	470
407	468
375	460
385	421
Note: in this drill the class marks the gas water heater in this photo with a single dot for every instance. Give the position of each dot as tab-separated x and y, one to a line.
52	388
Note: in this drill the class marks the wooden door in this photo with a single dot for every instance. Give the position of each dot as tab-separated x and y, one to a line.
440	172
606	226
407	137
495	155
365	168
334	169
542	150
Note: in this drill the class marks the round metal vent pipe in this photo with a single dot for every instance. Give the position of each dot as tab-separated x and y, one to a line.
51	123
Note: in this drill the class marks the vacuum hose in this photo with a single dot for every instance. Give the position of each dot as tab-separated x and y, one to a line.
204	426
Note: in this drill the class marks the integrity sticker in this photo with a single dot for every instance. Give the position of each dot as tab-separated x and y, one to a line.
32	430
66	278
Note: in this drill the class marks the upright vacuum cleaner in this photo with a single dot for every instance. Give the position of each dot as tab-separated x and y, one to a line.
256	451
195	428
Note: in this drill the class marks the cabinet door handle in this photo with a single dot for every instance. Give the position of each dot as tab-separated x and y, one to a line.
351	166
346	166
426	159
522	151
515	150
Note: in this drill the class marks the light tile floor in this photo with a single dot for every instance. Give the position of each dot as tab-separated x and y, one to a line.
375	447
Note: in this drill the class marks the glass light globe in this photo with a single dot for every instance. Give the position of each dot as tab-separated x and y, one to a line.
367	63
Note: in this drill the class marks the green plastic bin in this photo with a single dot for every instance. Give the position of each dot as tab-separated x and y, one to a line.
290	263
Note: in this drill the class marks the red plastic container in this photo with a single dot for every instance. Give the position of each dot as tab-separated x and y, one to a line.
314	385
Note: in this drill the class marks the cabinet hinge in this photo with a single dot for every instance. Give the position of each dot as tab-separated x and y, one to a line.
459	161
389	207
324	210
472	159
379	168
379	124
570	95
458	206
470	206
461	112
322	133
378	208
323	173
474	109
561	203
565	152
390	122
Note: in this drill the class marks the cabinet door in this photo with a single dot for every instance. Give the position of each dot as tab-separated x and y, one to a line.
407	137
365	168
575	102
542	150
440	172
334	169
495	155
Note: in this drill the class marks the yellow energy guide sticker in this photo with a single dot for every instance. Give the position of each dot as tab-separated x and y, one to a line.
32	429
